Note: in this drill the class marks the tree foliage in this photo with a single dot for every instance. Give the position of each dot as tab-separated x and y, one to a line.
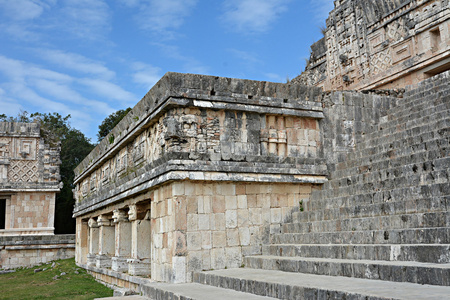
75	146
110	122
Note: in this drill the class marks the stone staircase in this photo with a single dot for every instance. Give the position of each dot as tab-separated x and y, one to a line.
379	228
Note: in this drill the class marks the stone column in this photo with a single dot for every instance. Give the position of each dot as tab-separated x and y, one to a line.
273	136
123	241
139	263
93	242
82	241
106	242
282	138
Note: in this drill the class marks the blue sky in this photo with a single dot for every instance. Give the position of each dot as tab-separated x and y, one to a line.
89	58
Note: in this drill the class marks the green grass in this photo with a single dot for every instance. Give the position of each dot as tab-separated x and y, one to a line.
26	284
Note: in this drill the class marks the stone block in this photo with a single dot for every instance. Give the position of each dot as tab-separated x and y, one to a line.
218	204
218	259
218	221
230	202
241	201
219	239
194	240
203	221
231	218
232	237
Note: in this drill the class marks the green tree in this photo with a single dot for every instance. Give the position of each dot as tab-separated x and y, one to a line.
110	122
74	148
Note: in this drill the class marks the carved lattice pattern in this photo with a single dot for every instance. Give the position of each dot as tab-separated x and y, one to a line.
23	171
381	61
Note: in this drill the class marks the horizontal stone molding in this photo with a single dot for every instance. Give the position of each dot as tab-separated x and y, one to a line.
118	275
63	239
143	184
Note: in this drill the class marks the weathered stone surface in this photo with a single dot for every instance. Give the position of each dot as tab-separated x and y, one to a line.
381	216
380	45
29	181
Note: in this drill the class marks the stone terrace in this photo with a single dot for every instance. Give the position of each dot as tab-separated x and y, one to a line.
377	229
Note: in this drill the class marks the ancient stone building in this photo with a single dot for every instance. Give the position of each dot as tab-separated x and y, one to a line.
29	181
267	184
380	45
240	189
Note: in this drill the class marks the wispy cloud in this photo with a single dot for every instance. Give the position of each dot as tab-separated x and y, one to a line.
21	10
76	62
46	90
321	9
145	74
86	19
109	90
252	16
161	16
275	77
18	16
245	56
33	20
189	63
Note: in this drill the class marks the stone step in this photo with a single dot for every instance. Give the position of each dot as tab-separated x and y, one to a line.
391	196
378	158
433	253
331	220
194	291
397	271
284	285
440	235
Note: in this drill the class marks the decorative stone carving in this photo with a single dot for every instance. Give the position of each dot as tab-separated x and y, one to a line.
102	220
119	216
5	148
132	213
23	171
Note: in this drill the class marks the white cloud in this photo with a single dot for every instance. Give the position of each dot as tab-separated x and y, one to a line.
146	75
246	56
85	18
23	84
252	16
18	17
21	10
130	3
190	64
275	77
321	9
76	62
162	16
109	90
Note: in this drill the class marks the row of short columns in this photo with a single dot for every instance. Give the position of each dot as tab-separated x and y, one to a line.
121	243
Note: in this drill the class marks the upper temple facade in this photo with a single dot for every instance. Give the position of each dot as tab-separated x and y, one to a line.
371	44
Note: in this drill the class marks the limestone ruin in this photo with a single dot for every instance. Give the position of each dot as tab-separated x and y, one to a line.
380	45
248	188
29	181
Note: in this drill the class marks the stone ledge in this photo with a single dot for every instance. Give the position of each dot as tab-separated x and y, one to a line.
119	194
39	247
119	275
37	240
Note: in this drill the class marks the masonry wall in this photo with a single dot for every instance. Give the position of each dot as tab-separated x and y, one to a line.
205	225
26	251
31	212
